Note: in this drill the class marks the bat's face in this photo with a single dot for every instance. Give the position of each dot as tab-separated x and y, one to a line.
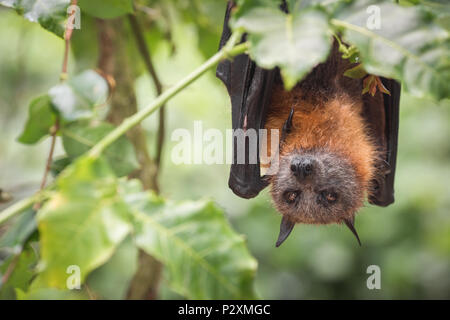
316	186
326	164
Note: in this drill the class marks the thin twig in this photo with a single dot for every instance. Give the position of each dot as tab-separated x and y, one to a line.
54	130
48	164
146	56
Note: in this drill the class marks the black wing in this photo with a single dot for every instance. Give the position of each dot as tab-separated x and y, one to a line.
383	118
249	87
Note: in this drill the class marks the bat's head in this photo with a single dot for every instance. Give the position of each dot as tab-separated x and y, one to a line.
316	186
326	164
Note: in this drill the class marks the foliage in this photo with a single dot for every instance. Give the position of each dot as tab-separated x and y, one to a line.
50	14
415	50
409	44
85	222
111	280
41	119
94	219
218	266
276	38
79	137
78	97
82	223
114	8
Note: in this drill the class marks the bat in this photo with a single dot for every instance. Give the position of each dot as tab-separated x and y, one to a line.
337	147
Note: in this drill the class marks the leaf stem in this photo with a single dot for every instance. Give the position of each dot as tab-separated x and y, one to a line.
10	269
228	51
54	132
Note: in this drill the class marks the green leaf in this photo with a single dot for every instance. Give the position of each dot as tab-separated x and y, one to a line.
203	257
441	8
50	294
12	251
245	6
59	164
82	223
13	240
111	9
408	46
84	45
294	5
79	137
111	281
357	72
41	117
75	99
50	14
203	14
294	42
21	275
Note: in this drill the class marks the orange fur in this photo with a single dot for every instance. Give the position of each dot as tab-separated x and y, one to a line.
335	125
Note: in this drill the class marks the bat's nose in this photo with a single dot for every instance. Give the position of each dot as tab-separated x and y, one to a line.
303	167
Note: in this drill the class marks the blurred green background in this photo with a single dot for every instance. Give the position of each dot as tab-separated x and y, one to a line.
409	240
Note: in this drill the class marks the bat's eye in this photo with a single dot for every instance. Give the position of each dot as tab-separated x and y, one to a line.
290	196
328	197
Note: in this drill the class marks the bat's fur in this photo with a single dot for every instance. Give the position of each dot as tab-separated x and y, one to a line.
328	129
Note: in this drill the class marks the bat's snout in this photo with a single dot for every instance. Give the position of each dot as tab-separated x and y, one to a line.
304	167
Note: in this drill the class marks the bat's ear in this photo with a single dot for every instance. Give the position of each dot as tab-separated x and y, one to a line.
350	223
286	227
382	114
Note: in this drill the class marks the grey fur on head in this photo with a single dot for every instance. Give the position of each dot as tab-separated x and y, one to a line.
317	187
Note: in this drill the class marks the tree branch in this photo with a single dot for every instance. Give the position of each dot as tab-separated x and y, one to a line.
114	60
146	56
